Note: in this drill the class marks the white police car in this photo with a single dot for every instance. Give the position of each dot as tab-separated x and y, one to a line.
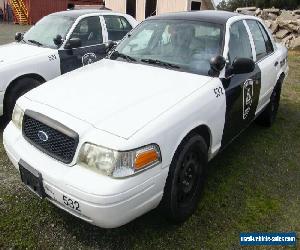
115	139
57	44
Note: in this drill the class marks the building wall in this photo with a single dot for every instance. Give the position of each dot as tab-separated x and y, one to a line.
140	10
163	6
38	9
116	5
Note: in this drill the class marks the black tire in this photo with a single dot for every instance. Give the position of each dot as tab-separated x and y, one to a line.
185	180
19	88
268	116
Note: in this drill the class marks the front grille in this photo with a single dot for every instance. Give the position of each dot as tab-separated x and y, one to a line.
50	136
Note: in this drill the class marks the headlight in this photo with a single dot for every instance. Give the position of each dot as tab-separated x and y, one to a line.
17	116
116	163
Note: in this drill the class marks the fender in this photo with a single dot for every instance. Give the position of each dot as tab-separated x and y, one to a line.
212	92
44	66
198	111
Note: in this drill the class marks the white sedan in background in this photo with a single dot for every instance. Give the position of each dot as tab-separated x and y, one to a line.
57	44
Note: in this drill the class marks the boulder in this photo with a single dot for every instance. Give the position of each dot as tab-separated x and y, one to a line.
295	43
274	27
291	25
287	15
297	12
258	12
247	12
273	10
272	16
282	33
284	25
287	40
268	23
264	15
253	8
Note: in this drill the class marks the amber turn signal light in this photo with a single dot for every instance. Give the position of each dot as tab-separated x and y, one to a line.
146	158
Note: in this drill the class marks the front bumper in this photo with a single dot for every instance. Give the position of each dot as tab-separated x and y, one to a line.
104	201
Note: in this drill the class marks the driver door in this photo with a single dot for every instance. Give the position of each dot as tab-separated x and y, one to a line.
241	90
92	49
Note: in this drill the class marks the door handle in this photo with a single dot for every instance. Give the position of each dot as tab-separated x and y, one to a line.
276	63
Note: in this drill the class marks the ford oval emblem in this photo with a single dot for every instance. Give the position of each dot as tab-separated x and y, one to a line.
43	136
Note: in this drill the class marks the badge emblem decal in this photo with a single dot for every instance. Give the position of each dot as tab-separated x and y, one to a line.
89	58
247	97
43	136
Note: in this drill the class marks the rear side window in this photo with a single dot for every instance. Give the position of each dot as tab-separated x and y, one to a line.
239	43
89	31
263	44
117	27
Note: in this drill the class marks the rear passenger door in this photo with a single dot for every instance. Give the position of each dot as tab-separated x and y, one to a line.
92	49
241	90
117	27
266	61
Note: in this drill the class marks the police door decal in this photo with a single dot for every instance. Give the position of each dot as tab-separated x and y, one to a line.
247	97
242	96
88	58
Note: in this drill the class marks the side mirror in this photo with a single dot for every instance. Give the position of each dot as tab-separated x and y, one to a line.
242	66
58	40
110	45
217	63
19	37
73	43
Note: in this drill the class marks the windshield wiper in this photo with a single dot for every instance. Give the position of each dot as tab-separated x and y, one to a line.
117	54
162	63
35	42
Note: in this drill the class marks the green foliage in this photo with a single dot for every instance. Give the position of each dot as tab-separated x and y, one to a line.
232	5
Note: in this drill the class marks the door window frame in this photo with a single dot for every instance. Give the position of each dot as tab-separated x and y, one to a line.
249	37
228	25
104	31
260	26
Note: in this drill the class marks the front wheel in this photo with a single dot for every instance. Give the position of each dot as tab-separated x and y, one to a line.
19	88
185	180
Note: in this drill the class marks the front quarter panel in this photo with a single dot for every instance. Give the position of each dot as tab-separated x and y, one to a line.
46	65
206	106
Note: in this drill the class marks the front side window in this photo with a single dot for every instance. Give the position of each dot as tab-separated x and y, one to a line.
117	27
47	29
259	40
239	43
89	31
188	45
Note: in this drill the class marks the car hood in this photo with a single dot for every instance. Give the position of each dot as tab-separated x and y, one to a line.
17	52
117	97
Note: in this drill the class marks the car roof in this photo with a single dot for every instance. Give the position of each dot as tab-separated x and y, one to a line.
211	16
77	13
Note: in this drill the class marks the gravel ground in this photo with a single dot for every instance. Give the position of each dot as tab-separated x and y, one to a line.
8	31
253	186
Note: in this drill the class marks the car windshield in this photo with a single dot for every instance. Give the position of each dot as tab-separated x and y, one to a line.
179	44
43	33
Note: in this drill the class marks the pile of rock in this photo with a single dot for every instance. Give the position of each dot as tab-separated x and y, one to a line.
284	25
